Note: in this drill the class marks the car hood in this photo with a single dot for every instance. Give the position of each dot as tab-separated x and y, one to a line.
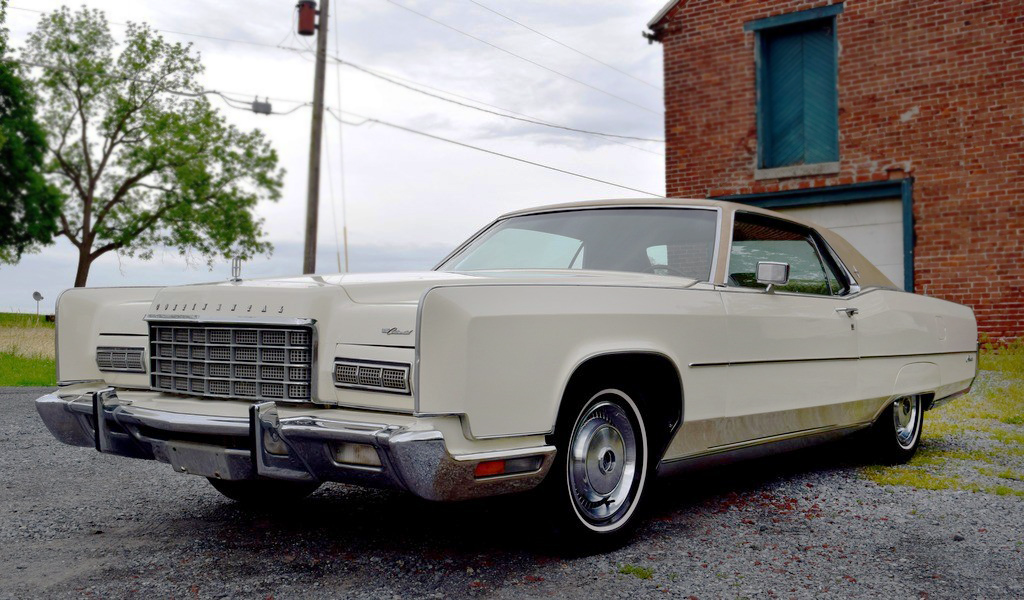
405	287
377	303
385	288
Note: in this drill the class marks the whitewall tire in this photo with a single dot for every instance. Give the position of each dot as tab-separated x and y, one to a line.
604	466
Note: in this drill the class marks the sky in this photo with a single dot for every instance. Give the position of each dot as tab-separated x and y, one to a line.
408	199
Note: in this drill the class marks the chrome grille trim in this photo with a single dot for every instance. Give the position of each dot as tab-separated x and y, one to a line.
251	361
373	376
119	359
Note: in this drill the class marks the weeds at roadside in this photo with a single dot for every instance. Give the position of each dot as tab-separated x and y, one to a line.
635	571
974	443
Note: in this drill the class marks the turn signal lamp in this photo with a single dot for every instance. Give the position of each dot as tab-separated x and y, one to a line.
490	468
512	466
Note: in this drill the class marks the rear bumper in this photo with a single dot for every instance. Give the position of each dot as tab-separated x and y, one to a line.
297	448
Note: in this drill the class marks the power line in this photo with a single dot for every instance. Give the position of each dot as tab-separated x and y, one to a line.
525	120
195	35
232	102
485	150
412	85
564	45
379	74
523	58
248	107
500	108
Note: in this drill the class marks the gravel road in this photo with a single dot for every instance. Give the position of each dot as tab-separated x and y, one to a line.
77	523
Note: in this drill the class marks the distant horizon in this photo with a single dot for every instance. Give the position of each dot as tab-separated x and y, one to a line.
51	273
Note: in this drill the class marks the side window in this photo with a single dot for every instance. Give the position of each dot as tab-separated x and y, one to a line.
756	238
687	259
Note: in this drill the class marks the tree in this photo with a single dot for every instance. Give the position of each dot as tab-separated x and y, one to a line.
144	159
28	204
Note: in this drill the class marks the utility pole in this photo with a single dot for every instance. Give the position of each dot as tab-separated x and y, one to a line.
313	191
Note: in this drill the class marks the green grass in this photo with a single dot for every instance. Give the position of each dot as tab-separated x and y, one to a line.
26	351
1004	358
1003	474
992	414
16	370
635	571
23	320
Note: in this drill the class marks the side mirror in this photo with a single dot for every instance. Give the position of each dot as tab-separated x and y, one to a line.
772	274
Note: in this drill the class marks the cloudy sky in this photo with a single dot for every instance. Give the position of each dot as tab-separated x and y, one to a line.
408	199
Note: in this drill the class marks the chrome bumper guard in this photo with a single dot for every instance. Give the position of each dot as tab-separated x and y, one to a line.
295	448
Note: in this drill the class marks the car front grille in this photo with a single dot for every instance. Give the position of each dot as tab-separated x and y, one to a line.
247	362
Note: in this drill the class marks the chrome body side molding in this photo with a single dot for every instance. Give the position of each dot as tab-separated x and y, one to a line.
757	448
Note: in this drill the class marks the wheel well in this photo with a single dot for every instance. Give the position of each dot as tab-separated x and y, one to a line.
651	378
927	400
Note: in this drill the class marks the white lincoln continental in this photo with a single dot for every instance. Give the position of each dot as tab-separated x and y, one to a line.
583	348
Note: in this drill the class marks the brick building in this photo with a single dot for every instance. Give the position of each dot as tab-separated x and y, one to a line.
897	123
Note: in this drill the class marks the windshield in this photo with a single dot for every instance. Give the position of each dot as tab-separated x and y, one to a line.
664	241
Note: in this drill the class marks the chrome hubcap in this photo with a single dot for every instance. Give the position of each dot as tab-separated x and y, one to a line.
602	461
904	415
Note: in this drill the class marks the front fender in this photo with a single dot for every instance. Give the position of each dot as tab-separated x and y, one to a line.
502	354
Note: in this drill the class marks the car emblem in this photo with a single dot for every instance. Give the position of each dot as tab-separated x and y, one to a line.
395	331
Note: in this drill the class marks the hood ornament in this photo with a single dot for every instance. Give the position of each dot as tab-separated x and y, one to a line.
236	269
395	331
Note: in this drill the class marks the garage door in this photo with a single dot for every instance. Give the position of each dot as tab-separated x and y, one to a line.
874	227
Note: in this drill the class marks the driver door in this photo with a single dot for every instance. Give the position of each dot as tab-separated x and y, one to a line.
792	350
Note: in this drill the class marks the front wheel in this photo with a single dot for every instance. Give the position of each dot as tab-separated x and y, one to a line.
897	433
603	467
264	492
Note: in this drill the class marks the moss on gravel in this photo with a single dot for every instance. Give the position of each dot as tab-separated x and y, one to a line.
635	571
974	443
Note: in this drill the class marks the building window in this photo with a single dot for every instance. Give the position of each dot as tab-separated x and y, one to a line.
797	89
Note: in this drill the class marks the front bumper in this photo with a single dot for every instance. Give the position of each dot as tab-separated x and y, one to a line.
297	448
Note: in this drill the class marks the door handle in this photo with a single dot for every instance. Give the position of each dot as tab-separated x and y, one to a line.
849	311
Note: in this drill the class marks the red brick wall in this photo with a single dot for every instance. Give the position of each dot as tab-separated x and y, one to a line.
932	90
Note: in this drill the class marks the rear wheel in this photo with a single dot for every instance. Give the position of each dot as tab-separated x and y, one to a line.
264	492
897	433
602	467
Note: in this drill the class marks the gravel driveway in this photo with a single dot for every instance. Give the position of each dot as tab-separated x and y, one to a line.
76	523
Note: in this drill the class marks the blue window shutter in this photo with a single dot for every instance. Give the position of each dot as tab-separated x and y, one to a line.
785	83
821	112
799	108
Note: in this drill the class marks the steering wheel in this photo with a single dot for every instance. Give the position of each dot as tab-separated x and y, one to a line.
674	271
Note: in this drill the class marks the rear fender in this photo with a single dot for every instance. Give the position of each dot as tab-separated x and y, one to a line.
917	378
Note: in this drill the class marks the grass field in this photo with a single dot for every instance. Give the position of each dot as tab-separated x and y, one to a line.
26	351
974	443
23	320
